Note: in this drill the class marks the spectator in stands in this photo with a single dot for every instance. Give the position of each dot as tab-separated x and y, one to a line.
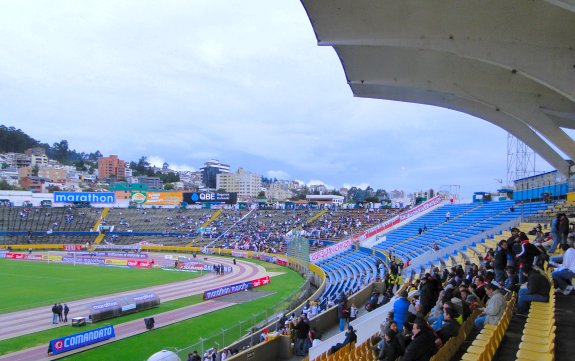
555	232
538	287
565	271
194	356
392	349
342	313
500	262
426	294
301	333
526	255
480	289
400	309
514	238
447	216
511	281
422	347
350	338
494	309
450	326
353	311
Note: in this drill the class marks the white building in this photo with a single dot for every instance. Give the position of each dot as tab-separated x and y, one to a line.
326	199
278	191
243	183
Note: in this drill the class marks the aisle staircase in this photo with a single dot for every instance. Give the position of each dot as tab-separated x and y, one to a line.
206	223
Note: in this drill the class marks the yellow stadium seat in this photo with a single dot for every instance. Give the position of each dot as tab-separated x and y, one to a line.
534	356
539	332
537	347
542	340
468	356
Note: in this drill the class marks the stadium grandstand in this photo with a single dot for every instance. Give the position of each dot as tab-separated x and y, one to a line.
434	281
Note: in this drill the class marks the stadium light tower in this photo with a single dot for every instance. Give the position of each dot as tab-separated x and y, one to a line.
520	160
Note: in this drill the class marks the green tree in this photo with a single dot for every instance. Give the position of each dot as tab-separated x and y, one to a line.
52	189
4	186
169	186
262	195
35	170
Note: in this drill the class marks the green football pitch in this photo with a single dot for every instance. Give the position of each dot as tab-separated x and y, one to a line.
33	284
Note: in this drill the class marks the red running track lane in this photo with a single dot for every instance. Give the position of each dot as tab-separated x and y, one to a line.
39	319
123	330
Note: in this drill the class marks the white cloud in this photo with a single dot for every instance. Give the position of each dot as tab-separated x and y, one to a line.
359	185
159	162
279	174
320	182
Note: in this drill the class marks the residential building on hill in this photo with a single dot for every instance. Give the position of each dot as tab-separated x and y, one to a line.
111	167
243	183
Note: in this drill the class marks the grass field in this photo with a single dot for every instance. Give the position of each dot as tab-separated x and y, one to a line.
76	283
34	284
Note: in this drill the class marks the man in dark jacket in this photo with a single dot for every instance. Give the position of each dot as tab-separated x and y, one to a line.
500	262
450	327
301	331
392	349
350	338
426	295
538	287
422	347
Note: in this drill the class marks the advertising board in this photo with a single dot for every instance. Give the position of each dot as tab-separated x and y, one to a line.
210	197
226	290
91	197
82	339
163	198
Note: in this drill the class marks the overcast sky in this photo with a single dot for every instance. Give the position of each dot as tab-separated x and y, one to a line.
244	82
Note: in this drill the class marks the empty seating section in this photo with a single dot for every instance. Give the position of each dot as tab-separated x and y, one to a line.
466	221
348	272
36	219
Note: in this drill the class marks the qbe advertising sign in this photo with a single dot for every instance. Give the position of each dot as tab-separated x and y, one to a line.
83	339
210	197
91	197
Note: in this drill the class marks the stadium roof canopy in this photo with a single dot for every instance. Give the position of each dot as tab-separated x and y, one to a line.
510	62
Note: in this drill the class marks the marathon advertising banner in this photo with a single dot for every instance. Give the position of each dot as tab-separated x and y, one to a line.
83	260
104	306
91	197
261	282
82	339
196	266
421	208
240	254
116	246
330	251
283	262
144	297
191	266
210	197
16	255
110	254
226	290
73	247
116	262
139	263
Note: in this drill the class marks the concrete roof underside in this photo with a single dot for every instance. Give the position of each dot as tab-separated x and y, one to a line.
510	62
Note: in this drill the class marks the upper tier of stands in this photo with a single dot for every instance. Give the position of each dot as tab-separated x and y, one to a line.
466	221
